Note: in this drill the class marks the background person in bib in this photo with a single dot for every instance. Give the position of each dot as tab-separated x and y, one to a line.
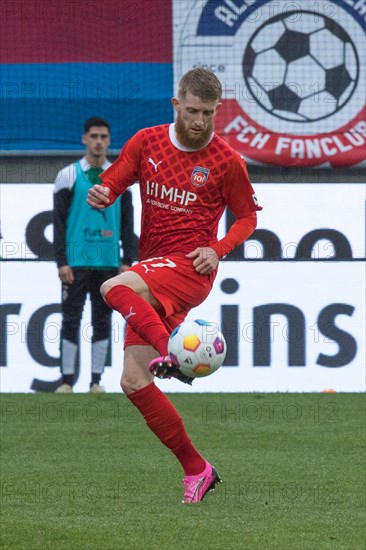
88	251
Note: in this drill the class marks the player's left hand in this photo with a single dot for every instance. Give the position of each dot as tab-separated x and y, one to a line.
205	260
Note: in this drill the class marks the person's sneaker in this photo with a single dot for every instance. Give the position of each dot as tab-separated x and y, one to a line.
196	487
64	388
163	367
96	388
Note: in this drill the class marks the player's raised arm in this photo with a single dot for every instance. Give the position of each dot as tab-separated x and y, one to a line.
118	177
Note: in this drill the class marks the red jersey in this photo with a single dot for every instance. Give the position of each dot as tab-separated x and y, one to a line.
183	193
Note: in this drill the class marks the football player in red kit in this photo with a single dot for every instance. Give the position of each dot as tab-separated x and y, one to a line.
187	176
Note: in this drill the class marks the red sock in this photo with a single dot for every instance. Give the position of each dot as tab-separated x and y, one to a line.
163	419
140	315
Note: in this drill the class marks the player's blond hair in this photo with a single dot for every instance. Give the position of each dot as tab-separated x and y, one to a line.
202	83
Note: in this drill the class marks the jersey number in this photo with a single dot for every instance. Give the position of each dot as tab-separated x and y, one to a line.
166	263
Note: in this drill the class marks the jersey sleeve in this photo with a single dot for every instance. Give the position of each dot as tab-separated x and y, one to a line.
240	198
125	169
128	238
238	192
62	197
61	204
239	232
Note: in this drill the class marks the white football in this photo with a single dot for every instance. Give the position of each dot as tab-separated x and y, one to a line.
198	347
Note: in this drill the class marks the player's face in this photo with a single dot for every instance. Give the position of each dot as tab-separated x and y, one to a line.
97	141
194	122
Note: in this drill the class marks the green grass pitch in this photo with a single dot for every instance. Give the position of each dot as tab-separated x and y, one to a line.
84	472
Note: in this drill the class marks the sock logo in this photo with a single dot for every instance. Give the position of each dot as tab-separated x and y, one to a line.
130	314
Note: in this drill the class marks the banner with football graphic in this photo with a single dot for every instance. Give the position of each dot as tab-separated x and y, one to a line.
293	75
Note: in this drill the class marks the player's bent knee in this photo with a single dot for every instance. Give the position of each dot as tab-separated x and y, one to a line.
106	287
129	280
132	382
124	385
128	385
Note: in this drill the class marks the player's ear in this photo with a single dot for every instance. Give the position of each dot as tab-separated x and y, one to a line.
218	107
176	104
83	139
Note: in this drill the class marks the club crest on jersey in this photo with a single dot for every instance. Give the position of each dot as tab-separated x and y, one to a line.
199	176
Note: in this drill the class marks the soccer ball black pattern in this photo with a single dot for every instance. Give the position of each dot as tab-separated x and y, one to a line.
301	66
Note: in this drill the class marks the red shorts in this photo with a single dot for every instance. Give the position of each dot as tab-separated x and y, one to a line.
176	285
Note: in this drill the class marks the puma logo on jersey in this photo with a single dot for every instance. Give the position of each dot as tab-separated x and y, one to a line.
153	163
130	314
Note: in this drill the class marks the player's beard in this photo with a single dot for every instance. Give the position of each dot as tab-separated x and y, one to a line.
191	140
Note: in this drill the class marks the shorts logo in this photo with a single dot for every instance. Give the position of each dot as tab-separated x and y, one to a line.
293	76
199	176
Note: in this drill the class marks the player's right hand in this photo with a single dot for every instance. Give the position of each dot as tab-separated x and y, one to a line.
66	274
98	197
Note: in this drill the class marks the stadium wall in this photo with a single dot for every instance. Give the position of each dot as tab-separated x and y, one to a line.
291	303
